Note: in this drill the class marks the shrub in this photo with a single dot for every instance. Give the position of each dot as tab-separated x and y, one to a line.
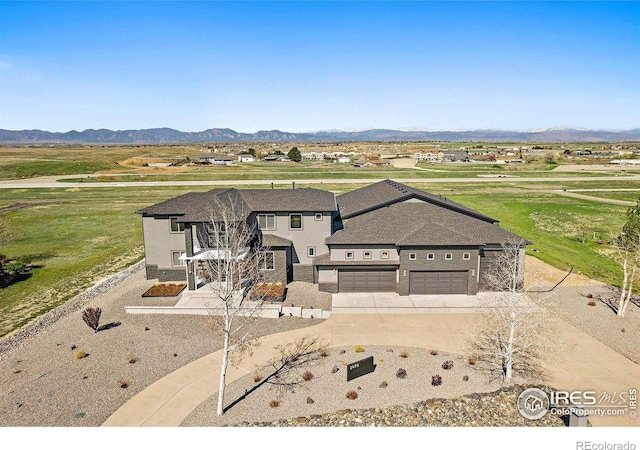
434	352
81	354
465	378
123	384
324	352
404	354
91	317
132	359
401	373
307	376
359	349
274	403
436	380
352	395
447	365
257	377
589	296
472	360
591	303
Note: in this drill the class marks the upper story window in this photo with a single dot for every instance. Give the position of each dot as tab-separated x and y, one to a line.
384	255
295	221
431	256
366	254
466	256
311	252
317	216
412	256
348	255
267	221
448	256
176	227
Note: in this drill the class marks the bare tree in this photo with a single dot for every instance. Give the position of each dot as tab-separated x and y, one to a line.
515	331
91	317
627	253
233	267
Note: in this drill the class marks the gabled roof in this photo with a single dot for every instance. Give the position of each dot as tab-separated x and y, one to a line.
388	192
198	206
418	224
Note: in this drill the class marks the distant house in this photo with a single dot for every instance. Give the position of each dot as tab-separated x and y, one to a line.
217	160
372	161
246	157
455	157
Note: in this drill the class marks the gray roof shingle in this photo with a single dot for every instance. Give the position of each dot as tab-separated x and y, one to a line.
419	224
199	206
387	192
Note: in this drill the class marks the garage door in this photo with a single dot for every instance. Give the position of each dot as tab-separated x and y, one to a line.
425	283
367	280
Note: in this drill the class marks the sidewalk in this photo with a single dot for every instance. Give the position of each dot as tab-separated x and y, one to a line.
584	363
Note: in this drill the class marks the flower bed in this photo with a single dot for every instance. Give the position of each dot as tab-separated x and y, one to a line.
269	292
165	290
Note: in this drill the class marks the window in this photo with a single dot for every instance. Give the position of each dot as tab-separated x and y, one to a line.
295	221
317	216
267	221
311	252
384	255
431	256
176	227
269	261
348	255
466	256
412	256
175	259
448	256
366	255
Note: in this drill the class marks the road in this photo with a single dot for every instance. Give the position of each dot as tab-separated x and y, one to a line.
52	181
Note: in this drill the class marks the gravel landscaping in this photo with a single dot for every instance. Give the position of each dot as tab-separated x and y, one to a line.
323	399
42	383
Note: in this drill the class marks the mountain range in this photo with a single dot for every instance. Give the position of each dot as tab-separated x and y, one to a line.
171	136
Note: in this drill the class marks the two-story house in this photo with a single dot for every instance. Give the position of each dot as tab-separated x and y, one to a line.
386	237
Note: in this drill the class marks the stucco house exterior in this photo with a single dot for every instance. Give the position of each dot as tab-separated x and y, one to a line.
385	237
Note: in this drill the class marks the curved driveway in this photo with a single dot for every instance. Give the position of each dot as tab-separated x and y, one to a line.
582	363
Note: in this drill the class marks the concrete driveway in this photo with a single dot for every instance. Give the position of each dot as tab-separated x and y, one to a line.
582	363
392	303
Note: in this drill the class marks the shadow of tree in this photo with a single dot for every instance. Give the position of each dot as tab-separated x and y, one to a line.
285	367
108	326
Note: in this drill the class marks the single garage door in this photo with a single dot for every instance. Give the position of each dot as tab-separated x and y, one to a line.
366	280
426	283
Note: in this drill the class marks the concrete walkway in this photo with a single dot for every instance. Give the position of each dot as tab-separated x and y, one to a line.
583	363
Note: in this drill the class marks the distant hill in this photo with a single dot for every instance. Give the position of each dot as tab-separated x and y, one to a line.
171	136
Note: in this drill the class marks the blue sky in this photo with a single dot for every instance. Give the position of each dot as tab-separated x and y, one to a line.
305	66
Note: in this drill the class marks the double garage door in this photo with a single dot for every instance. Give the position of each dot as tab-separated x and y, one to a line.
350	280
429	283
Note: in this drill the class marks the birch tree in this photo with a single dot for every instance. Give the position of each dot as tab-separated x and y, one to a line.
514	334
233	269
627	253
